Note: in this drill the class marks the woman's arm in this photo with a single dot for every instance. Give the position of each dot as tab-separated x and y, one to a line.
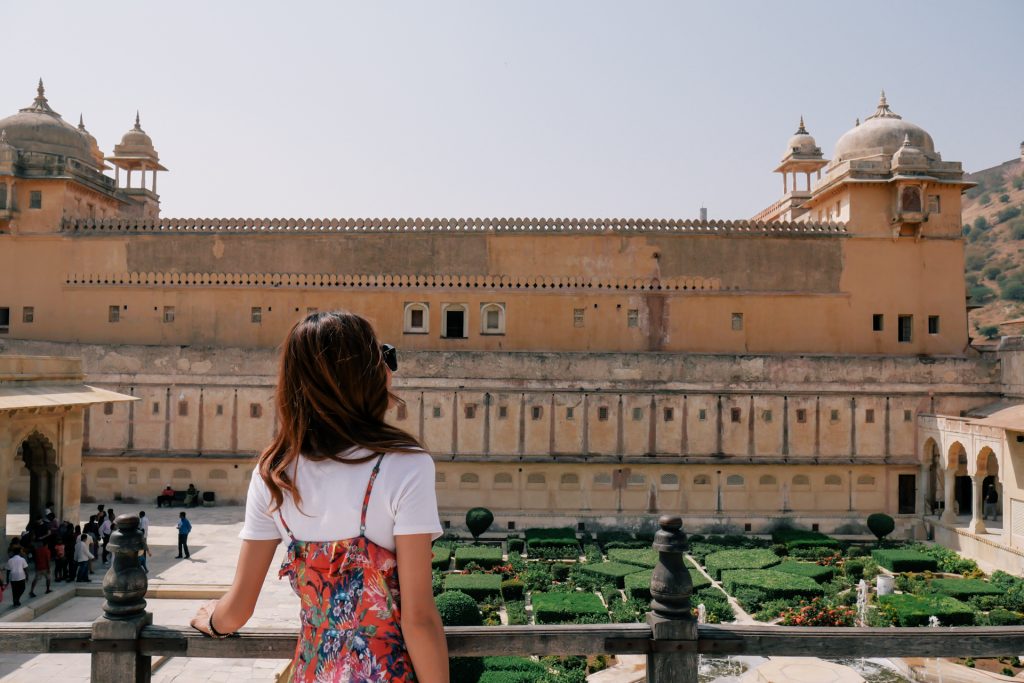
421	624
237	605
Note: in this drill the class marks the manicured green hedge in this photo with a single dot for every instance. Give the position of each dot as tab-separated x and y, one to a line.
515	545
512	589
485	556
510	676
621	540
553	608
613	571
551	538
896	560
639	585
914	610
821	574
645	557
503	663
477	586
775	585
962	589
442	558
801	538
723	560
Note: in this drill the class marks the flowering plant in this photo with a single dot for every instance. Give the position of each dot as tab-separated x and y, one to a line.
818	612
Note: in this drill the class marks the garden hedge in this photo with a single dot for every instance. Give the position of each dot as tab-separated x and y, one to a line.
775	585
914	610
477	586
551	538
638	585
621	540
612	571
485	556
553	608
801	538
897	560
820	573
442	558
506	663
641	557
512	589
515	545
500	676
724	560
963	589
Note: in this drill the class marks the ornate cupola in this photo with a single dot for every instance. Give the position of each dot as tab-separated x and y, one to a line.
136	152
802	156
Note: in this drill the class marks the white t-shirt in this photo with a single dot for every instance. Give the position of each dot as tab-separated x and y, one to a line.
16	566
403	501
144	524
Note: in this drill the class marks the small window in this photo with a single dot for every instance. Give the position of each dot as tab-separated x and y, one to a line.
454	322
503	480
492	318
536	479
182	408
869	415
439	477
114	314
833	480
470	411
35	199
469	479
602	413
767	480
5	319
908	415
577	317
736	414
668	414
801	415
168	314
437	411
906	329
934	203
255	410
833	415
256	314
633	317
702	480
569	413
766	415
702	415
569	480
417	317
638	414
877	322
156	407
28	314
220	409
602	480
536	412
865	480
108	408
670	481
502	412
402	412
636	480
737	321
801	480
933	324
734	480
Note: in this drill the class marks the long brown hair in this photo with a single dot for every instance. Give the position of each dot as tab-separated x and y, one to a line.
332	394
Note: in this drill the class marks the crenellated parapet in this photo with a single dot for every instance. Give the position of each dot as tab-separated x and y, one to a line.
466	225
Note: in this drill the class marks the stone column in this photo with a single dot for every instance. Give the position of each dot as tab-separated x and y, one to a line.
922	490
7	454
977	524
948	516
671	618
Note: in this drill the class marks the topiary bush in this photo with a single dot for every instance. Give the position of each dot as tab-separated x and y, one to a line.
811	570
512	589
899	561
458	609
963	589
647	557
611	571
801	538
442	558
724	560
555	608
485	556
516	546
914	610
881	524
479	520
477	586
638	585
774	585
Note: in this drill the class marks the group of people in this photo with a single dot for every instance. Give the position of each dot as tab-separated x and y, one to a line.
166	496
60	551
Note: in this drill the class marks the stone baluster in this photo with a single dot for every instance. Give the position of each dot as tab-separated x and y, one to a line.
671	617
115	635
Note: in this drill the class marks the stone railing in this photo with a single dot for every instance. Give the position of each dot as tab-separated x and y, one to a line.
123	640
450	225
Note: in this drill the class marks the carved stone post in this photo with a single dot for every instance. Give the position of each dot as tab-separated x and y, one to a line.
670	617
115	635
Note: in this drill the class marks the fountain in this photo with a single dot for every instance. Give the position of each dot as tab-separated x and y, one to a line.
702	614
862	603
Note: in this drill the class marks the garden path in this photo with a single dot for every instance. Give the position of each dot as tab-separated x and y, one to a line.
742	617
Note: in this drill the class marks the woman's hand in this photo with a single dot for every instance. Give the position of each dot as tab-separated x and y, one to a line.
201	621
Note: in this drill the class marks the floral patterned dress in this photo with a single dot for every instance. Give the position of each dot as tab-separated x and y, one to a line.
351	620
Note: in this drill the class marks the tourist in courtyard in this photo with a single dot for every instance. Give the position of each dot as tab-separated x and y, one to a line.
991	499
144	553
143	522
184	529
105	529
70	537
355	498
41	558
166	497
191	496
17	574
60	565
82	557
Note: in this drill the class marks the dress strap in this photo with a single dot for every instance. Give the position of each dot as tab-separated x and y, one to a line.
285	525
366	497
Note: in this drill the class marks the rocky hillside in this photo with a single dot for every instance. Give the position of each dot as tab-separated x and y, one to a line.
993	216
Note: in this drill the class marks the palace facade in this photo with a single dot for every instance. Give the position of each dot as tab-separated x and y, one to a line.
583	371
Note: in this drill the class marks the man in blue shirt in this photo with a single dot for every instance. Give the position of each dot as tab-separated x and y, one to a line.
184	527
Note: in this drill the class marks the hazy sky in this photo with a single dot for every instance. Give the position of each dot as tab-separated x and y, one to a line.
526	108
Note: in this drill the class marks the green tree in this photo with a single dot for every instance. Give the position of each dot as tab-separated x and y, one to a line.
989	331
1004	198
881	525
980	294
986	199
1013	290
980	223
992	272
458	609
479	520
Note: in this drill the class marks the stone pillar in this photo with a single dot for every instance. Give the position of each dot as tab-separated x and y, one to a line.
671	617
977	524
948	516
922	491
8	452
70	459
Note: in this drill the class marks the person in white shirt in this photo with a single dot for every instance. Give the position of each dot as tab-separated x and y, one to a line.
338	476
17	575
143	522
106	527
82	557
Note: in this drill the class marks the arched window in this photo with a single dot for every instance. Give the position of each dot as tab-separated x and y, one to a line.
107	473
154	474
455	321
702	480
734	480
636	479
910	199
833	480
469	480
865	480
503	480
670	481
767	481
602	480
569	481
801	481
218	474
536	479
417	318
181	474
440	478
492	319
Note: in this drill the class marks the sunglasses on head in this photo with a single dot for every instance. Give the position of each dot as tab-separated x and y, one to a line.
390	354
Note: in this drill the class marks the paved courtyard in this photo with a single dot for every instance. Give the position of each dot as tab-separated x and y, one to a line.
214	545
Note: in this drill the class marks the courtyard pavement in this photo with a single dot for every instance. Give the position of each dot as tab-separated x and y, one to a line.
214	545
